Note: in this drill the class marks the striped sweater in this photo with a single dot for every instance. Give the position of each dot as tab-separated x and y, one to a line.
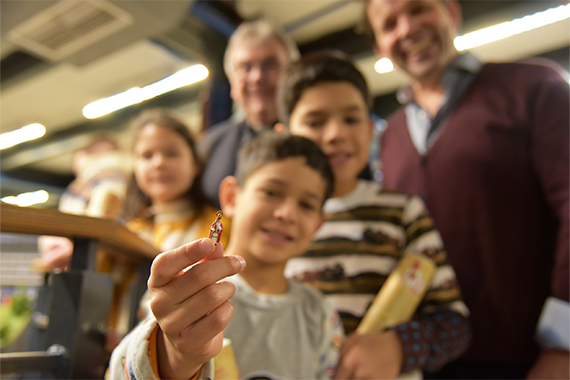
366	233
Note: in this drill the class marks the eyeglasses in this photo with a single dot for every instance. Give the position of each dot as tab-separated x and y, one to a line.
269	66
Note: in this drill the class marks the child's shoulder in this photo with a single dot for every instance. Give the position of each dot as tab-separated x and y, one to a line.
312	298
368	193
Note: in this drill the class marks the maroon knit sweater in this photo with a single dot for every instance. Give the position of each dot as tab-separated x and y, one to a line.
496	182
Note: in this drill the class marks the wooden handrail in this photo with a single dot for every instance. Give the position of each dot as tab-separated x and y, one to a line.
112	236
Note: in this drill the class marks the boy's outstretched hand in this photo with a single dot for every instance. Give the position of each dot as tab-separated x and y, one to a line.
191	307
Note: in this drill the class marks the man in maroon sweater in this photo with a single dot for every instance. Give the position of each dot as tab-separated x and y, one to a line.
486	146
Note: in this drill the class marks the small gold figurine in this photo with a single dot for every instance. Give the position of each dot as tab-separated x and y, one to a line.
216	228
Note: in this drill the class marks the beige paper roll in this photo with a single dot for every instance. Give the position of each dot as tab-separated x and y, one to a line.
225	366
400	295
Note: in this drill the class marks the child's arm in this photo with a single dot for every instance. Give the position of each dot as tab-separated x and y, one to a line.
191	307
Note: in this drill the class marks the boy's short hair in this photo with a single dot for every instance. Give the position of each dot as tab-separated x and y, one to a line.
258	31
315	68
270	147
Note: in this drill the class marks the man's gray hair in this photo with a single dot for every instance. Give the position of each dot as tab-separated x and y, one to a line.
258	31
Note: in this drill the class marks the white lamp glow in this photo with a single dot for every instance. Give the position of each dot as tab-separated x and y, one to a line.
136	95
28	199
182	78
383	65
18	136
113	103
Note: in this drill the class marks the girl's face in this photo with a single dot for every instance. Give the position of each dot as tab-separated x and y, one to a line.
164	168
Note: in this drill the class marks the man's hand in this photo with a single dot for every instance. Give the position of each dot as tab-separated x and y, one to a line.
191	307
370	356
551	364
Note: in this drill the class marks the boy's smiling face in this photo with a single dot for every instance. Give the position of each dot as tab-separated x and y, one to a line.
335	116
275	213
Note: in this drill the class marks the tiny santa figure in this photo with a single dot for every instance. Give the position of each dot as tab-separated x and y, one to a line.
216	229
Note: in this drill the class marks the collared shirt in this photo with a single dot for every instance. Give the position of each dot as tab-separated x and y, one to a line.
455	81
552	329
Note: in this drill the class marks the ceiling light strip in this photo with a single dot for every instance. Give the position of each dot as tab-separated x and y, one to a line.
136	95
511	28
20	135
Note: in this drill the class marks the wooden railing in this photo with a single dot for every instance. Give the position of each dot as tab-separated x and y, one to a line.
74	307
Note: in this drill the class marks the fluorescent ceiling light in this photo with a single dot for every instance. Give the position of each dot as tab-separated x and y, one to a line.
136	95
510	28
28	199
503	30
18	136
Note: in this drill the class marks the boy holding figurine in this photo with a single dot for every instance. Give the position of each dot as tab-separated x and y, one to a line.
280	328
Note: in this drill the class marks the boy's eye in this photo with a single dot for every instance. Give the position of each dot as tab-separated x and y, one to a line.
314	123
270	193
310	206
171	154
352	120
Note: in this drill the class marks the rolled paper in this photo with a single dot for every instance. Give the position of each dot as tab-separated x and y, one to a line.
400	295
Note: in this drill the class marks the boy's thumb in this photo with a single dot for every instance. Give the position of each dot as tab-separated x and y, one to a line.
216	254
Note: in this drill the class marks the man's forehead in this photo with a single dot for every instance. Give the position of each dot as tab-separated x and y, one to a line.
255	49
386	6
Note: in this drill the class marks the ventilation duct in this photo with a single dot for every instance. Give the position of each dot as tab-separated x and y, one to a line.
69	26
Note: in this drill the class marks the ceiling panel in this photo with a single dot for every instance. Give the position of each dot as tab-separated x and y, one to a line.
165	36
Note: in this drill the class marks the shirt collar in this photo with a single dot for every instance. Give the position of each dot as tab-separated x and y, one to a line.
466	62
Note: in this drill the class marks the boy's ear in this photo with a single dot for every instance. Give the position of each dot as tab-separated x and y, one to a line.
280	128
229	189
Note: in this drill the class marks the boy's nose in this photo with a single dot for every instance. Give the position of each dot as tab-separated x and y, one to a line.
335	131
287	210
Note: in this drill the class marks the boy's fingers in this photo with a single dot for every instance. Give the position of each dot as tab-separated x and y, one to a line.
208	327
168	265
218	252
193	309
203	275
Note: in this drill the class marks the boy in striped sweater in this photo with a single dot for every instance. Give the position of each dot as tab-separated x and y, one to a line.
325	98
